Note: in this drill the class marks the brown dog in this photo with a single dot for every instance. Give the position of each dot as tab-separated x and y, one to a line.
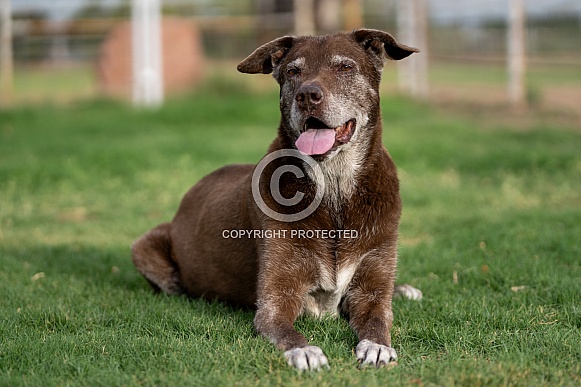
313	227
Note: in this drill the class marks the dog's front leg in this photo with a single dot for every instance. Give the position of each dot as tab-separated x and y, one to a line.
283	286
368	304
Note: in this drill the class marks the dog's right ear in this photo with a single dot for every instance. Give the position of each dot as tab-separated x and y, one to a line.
266	57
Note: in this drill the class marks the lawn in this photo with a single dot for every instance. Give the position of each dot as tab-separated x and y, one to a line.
490	233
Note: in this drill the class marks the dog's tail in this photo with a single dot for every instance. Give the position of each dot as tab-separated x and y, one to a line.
151	255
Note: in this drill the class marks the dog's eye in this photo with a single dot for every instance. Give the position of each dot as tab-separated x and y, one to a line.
293	71
345	67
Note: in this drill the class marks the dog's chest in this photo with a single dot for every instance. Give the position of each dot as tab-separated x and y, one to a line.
330	289
338	175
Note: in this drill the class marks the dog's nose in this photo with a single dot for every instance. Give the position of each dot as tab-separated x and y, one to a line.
309	95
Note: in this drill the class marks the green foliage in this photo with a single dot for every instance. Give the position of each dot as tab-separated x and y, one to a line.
490	233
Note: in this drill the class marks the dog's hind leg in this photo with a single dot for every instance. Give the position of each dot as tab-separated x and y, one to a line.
151	255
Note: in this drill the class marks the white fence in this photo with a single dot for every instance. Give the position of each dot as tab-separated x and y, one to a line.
71	31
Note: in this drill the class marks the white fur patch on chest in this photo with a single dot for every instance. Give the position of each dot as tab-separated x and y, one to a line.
325	300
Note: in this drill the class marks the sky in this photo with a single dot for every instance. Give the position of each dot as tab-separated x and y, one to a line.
475	10
470	11
57	9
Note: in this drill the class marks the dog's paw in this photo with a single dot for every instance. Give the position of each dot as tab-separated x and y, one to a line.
407	291
306	358
373	354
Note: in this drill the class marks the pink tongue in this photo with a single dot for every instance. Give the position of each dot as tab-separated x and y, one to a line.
316	141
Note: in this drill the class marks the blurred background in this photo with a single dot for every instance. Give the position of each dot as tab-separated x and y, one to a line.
522	52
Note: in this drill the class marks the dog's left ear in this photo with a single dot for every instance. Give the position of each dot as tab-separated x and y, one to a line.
382	45
266	57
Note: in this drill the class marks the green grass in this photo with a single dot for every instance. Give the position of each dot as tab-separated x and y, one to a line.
53	84
450	73
490	204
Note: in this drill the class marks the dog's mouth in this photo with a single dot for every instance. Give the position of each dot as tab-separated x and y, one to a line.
316	138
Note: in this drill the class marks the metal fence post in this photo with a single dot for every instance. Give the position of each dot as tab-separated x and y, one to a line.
516	53
147	53
304	17
412	26
6	57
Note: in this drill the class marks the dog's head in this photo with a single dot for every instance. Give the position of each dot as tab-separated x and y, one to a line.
329	85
